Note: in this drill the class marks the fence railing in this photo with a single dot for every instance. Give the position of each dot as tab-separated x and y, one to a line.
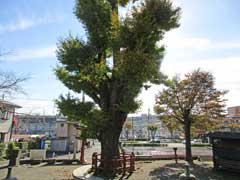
122	164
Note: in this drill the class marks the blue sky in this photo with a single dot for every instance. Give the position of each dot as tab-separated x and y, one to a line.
209	38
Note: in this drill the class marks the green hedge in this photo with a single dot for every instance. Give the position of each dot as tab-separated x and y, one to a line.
10	147
23	146
201	145
143	144
2	149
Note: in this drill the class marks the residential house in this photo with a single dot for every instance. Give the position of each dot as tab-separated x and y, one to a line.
36	124
7	110
232	120
67	137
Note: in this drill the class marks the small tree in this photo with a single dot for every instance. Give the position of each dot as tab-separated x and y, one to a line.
170	124
193	100
152	128
127	127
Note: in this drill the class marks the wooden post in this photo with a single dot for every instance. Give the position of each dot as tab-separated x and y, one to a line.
94	161
175	154
82	159
124	164
132	162
215	166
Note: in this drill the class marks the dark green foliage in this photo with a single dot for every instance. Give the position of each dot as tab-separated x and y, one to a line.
10	148
90	117
34	143
2	149
201	145
119	56
23	145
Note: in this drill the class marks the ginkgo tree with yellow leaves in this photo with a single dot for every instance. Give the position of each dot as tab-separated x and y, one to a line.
119	56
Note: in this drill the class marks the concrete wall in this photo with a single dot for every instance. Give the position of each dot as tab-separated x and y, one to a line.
62	129
66	137
59	145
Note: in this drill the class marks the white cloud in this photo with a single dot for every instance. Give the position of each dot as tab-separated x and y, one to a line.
225	70
23	23
36	107
174	41
33	53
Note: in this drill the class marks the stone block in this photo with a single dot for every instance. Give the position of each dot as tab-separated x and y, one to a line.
37	154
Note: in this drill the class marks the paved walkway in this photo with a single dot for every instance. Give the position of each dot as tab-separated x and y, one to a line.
88	153
81	173
149	151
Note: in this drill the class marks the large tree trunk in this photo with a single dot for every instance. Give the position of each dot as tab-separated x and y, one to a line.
187	128
110	144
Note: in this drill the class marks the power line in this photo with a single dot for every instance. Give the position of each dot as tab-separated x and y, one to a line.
29	99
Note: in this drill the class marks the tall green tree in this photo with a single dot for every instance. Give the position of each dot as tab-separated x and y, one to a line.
191	102
119	56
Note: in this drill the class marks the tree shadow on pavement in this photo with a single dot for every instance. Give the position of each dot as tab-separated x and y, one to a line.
203	171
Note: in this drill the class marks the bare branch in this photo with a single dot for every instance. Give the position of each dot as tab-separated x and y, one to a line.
9	82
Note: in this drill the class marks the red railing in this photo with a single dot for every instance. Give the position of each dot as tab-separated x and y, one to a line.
124	163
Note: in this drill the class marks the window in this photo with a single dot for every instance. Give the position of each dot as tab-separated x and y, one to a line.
62	125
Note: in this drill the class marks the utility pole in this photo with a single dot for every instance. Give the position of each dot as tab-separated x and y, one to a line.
133	135
148	122
82	159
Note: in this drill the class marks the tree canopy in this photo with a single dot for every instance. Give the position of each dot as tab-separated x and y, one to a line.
152	128
119	55
192	101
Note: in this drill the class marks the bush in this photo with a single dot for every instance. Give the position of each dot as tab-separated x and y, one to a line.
23	146
10	148
34	143
143	144
2	149
201	145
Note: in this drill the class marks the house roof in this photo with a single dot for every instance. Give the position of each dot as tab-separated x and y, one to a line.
5	126
8	104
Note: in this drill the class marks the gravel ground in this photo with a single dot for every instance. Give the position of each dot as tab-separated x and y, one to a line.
168	170
147	170
41	173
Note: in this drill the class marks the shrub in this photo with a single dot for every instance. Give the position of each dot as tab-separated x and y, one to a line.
23	146
2	149
10	148
143	144
201	145
34	143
